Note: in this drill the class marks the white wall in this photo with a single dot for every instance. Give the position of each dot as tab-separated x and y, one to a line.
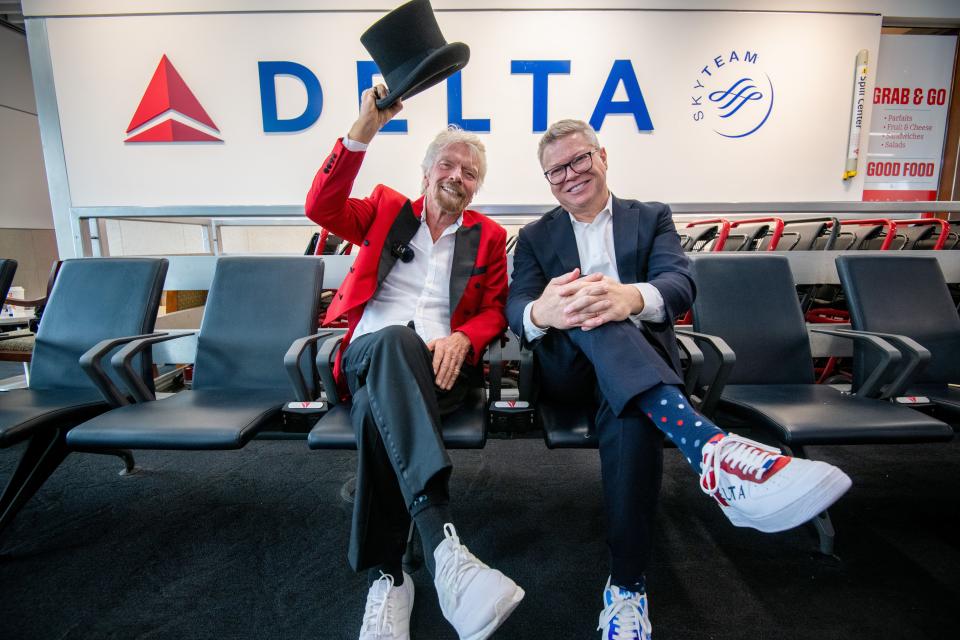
24	203
916	9
919	12
102	66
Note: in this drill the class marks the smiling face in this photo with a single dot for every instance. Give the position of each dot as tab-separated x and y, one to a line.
452	181
582	194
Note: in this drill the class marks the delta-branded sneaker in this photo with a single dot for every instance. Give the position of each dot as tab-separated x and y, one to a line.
474	598
757	486
387	614
625	615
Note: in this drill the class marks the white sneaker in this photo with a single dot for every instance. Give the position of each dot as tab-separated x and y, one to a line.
474	598
756	486
387	614
625	615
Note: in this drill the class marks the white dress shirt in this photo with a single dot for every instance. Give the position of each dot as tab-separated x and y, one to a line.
597	255
418	290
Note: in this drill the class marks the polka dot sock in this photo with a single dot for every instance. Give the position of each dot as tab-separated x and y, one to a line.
672	414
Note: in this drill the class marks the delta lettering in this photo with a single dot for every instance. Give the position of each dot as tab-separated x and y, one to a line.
621	75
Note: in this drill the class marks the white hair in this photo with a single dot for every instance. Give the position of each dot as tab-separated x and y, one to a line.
455	135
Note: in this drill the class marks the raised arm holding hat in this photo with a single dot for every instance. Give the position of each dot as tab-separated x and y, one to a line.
423	299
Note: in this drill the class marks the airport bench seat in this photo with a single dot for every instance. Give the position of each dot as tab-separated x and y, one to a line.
808	414
8	268
23	412
908	296
240	382
92	300
772	385
569	425
462	429
208	419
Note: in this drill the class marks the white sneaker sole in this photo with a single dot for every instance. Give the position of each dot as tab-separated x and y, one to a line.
828	489
511	603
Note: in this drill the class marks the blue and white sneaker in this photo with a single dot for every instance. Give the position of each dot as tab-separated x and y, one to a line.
624	616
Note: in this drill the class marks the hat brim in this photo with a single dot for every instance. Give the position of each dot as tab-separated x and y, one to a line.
435	68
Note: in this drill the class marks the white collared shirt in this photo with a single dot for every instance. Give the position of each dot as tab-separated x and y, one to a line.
418	290
597	255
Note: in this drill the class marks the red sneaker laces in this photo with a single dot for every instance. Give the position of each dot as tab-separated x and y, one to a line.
738	453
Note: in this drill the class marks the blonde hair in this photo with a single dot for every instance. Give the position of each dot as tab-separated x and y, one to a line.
564	128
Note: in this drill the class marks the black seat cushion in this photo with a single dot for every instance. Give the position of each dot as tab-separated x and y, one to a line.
7	270
568	426
189	420
24	410
805	414
945	397
465	428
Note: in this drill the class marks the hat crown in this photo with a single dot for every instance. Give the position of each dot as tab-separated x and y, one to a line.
407	34
411	52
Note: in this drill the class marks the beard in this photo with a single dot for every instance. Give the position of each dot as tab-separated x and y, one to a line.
450	196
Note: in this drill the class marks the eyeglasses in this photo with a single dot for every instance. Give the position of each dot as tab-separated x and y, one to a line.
581	164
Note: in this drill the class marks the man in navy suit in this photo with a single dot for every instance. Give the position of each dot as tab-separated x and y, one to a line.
596	285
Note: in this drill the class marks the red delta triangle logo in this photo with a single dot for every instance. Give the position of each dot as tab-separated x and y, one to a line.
168	95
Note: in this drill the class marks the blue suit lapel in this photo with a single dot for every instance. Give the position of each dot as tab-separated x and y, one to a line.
626	240
565	243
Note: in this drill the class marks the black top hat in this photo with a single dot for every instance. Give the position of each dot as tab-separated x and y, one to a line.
410	51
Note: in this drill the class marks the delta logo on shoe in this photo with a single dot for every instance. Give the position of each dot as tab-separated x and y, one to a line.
733	492
757	486
170	112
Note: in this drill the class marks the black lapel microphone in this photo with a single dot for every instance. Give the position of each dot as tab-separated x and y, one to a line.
403	251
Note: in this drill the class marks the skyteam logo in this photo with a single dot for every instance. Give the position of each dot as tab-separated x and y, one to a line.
733	95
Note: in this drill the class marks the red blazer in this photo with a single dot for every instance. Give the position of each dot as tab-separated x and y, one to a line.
478	281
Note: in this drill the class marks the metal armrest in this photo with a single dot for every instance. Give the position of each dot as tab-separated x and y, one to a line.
90	363
890	357
291	361
122	363
528	367
494	355
917	356
695	359
325	368
712	391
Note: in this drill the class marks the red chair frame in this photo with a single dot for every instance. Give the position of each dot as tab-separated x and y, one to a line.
777	229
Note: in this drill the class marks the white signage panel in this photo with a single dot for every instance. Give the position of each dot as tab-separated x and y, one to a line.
910	104
691	106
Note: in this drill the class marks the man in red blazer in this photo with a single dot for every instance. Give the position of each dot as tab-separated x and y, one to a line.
423	299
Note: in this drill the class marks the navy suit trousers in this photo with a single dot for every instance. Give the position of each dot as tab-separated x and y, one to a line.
609	367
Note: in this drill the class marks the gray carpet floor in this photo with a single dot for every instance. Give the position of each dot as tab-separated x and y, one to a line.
252	544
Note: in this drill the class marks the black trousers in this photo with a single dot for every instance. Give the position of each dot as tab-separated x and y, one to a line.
609	367
396	415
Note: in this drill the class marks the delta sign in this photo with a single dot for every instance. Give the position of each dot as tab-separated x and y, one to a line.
169	111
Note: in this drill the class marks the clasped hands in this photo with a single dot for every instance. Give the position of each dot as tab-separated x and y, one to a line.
569	301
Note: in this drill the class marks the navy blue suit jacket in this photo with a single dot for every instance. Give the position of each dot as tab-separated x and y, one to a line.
647	249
